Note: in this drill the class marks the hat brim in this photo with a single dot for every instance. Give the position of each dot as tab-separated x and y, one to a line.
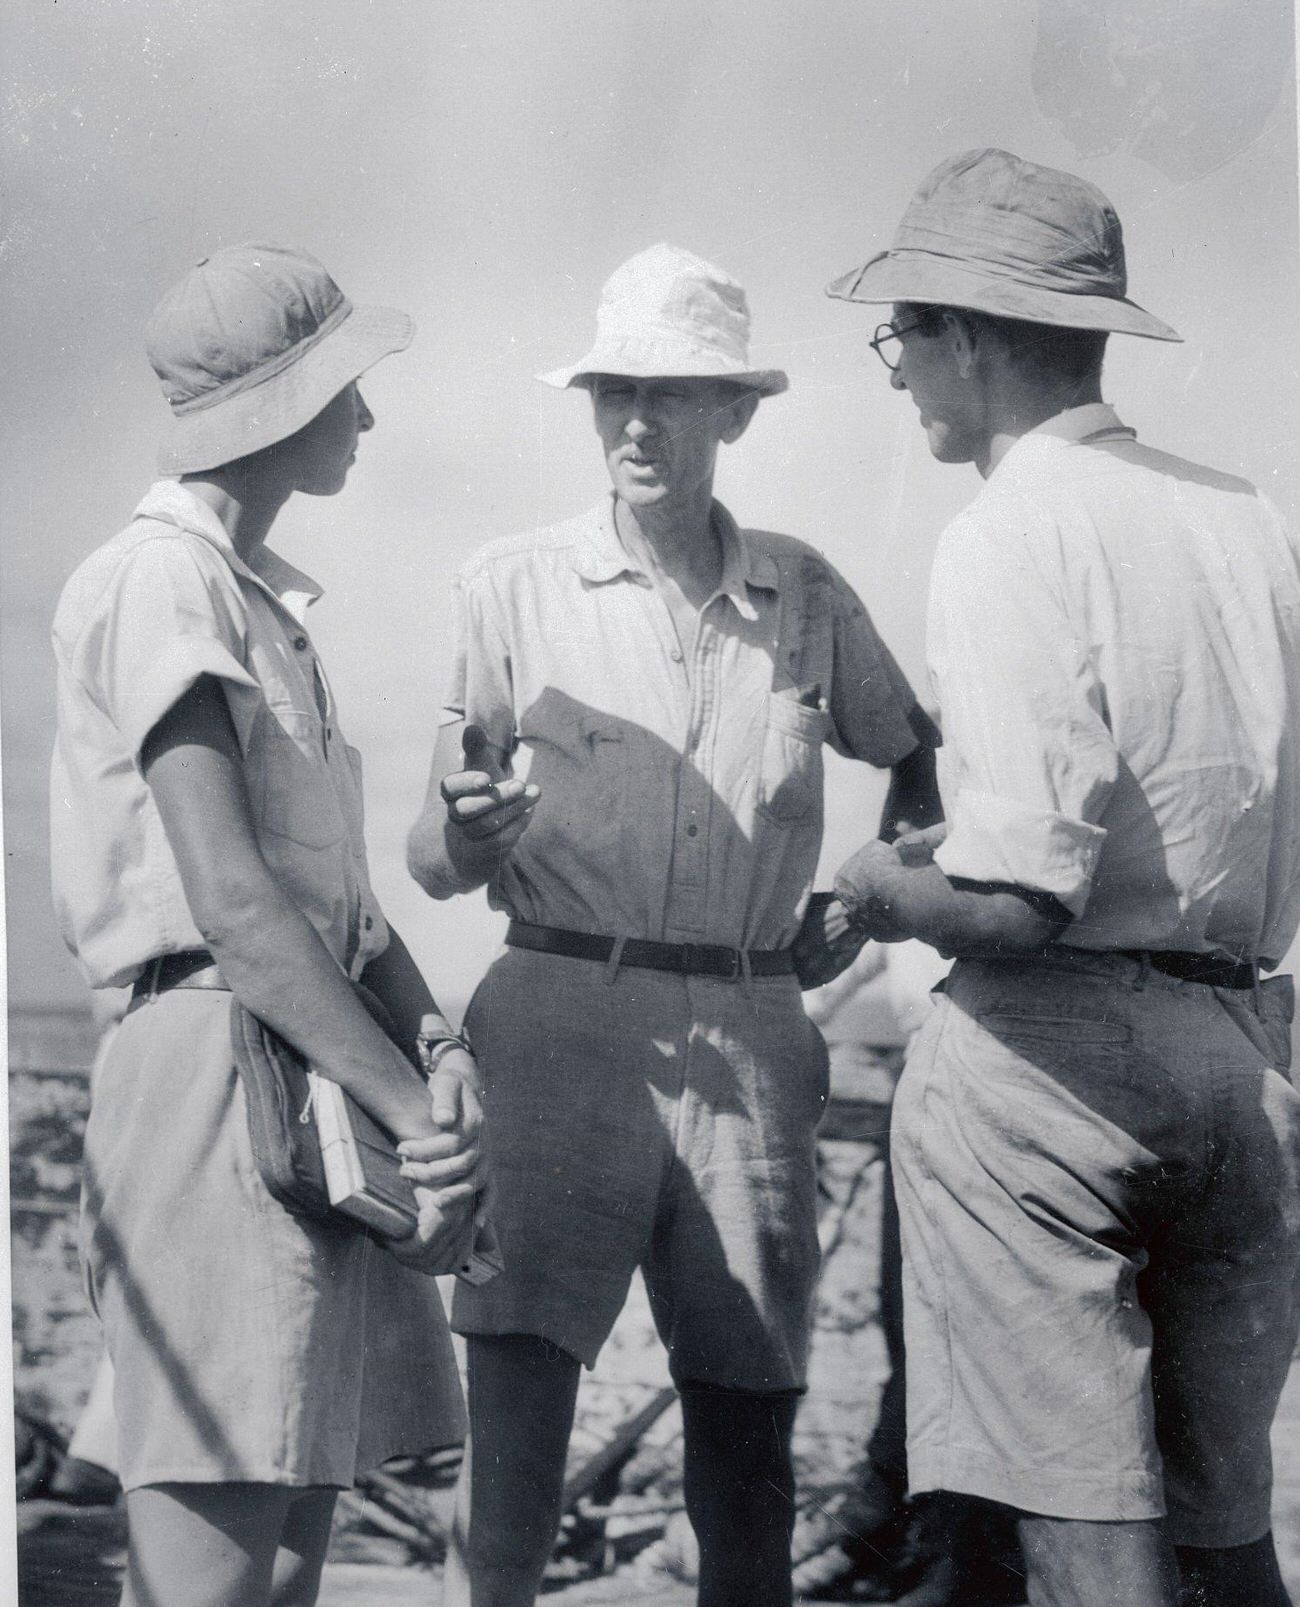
914	276
281	405
766	381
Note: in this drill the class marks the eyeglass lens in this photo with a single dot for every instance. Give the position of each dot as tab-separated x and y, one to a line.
886	332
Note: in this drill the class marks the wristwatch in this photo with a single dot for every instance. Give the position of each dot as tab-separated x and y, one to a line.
436	1040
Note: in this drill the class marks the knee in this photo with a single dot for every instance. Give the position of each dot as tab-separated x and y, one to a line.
761	1415
737	1443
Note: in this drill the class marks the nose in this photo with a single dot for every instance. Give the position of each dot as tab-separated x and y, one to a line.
365	418
897	381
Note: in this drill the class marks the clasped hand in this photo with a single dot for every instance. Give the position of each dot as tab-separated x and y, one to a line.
836	925
448	1170
868	884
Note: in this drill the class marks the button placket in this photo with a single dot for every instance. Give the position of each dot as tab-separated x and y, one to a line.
688	893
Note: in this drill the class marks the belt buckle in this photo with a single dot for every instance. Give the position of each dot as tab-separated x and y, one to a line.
712	959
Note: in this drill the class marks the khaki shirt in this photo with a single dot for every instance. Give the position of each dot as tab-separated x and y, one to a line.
165	602
1114	639
683	805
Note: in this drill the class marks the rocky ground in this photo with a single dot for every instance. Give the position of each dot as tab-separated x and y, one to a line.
628	1541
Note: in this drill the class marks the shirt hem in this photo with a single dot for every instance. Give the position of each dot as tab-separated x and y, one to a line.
1125	1498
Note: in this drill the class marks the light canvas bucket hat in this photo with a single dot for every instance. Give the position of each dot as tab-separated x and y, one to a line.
666	314
251	344
989	231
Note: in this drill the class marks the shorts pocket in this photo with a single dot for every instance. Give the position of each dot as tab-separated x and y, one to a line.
1054	1029
298	797
790	776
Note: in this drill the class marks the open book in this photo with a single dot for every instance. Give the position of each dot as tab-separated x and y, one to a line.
364	1178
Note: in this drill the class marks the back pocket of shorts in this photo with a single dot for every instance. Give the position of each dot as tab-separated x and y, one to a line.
1053	1029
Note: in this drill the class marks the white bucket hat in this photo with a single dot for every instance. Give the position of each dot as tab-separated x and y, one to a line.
251	344
667	314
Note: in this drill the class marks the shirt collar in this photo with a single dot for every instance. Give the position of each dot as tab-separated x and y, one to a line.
169	502
1091	424
742	567
602	557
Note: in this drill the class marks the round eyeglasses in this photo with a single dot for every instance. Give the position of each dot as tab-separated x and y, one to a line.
888	332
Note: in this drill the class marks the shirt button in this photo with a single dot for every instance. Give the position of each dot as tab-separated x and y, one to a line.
329	734
692	831
676	655
300	642
369	922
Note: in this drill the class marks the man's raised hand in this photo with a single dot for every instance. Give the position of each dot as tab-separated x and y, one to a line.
488	813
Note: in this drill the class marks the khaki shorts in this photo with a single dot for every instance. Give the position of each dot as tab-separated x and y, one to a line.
655	1121
1098	1176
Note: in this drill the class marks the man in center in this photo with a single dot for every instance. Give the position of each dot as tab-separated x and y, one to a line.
652	1080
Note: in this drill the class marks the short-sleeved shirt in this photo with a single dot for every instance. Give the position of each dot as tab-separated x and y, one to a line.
141	620
1114	638
679	802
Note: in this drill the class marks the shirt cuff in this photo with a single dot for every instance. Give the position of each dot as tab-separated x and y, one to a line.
889	741
183	661
996	839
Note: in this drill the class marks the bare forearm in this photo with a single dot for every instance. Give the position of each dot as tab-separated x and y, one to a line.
278	968
269	953
429	857
474	813
912	802
395	980
902	901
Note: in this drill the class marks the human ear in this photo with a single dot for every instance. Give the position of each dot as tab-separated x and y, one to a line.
741	411
963	338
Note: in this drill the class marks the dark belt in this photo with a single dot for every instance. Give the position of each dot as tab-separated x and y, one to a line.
195	968
687	959
1214	970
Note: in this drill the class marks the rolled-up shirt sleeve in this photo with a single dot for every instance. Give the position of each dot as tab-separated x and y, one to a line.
1028	760
480	690
165	619
871	699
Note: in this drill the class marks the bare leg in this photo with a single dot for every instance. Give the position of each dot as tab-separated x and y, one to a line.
522	1392
740	1493
216	1545
1070	1563
1232	1576
300	1556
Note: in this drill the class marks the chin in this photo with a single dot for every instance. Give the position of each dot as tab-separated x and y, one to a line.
640	495
324	488
945	447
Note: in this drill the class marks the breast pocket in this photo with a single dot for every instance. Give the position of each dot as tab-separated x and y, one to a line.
607	756
298	797
790	774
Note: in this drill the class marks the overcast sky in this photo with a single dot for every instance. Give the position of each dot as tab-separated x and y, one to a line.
485	166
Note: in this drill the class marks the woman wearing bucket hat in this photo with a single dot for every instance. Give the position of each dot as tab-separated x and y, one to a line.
1096	1145
207	842
671	680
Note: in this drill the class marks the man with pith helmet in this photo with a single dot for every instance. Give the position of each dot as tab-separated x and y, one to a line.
653	1082
1095	1139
